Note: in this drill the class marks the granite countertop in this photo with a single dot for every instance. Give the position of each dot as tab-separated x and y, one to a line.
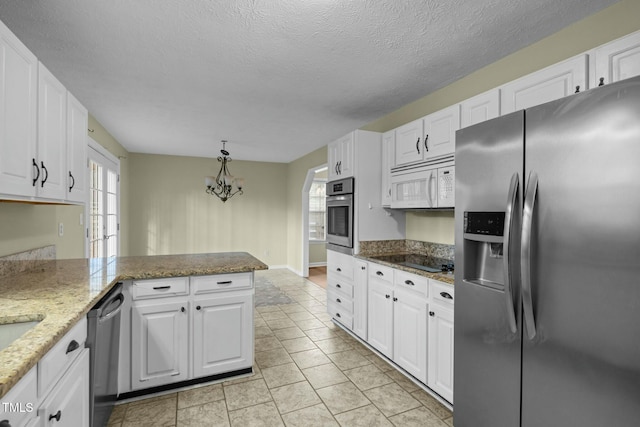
61	292
371	257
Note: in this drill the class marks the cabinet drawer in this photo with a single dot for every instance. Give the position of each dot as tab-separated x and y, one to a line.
159	288
58	359
20	403
221	282
340	300
411	282
340	314
340	264
442	293
340	286
381	273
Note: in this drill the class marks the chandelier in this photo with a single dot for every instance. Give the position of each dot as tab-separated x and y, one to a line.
222	184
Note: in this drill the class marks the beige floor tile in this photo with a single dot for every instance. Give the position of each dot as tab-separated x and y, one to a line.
418	417
282	375
309	358
305	325
272	315
432	404
317	309
267	308
264	415
200	395
259	322
251	377
348	359
280	323
152	412
262	331
391	399
212	414
333	345
313	416
298	344
301	315
246	394
301	297
342	397
367	377
266	359
402	380
296	396
289	333
323	316
266	343
292	308
320	334
382	364
368	416
324	375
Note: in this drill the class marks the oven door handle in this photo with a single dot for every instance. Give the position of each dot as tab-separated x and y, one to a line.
338	198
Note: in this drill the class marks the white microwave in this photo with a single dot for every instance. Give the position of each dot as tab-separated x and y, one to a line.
424	187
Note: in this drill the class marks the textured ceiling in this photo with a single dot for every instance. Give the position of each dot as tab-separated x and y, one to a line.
277	78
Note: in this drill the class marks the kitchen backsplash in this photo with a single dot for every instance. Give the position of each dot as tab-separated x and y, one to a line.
380	247
27	260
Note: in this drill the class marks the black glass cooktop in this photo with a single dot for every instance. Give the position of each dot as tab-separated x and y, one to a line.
421	262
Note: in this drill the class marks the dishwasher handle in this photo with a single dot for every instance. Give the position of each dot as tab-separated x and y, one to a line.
112	308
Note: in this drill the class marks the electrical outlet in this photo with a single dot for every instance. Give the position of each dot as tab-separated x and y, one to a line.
61	229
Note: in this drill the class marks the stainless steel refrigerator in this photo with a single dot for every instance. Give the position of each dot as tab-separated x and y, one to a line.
547	226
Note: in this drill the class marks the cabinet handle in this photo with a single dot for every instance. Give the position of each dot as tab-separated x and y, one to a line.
409	282
336	168
379	273
431	313
73	346
57	416
340	167
363	267
426	138
338	315
225	282
601	81
46	174
418	145
446	295
161	288
395	299
338	285
37	173
338	300
577	89
387	296
338	269
198	307
5	423
73	181
182	309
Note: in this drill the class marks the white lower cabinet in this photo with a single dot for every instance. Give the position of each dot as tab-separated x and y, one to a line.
68	402
410	333
160	339
441	339
222	340
360	298
19	405
380	325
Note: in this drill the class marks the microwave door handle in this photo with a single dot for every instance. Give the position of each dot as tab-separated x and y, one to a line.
429	192
508	225
525	253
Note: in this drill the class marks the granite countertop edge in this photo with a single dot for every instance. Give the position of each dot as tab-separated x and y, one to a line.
60	295
447	278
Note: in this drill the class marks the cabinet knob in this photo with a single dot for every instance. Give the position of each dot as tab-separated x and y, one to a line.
338	285
198	307
387	296
395	299
338	315
338	269
363	267
182	309
601	81
577	89
338	300
431	313
57	416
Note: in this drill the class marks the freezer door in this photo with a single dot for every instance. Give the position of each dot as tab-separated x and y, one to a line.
487	336
582	366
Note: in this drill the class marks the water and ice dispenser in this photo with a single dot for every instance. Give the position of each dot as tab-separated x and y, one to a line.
483	248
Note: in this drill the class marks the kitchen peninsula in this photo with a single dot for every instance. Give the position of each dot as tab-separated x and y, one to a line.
59	293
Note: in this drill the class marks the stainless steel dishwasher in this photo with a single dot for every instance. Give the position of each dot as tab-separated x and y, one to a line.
103	340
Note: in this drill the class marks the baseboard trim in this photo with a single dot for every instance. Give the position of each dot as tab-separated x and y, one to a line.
317	264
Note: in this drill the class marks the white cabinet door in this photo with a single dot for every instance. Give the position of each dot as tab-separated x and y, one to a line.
68	403
77	122
388	151
334	155
341	157
440	132
548	84
618	60
159	339
222	333
409	144
410	333
18	119
52	136
19	405
480	108
380	314
360	296
441	351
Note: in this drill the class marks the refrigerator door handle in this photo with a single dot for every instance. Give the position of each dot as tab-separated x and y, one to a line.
525	252
508	224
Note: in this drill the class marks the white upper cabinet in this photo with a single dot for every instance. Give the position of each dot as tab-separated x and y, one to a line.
480	108
341	154
548	84
409	143
388	151
77	122
617	60
440	132
18	119
52	136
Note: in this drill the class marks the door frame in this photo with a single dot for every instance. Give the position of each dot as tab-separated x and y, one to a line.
311	173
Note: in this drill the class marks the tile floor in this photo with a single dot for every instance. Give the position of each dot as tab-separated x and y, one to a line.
307	372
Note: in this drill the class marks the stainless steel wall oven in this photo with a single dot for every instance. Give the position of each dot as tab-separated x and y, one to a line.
340	215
